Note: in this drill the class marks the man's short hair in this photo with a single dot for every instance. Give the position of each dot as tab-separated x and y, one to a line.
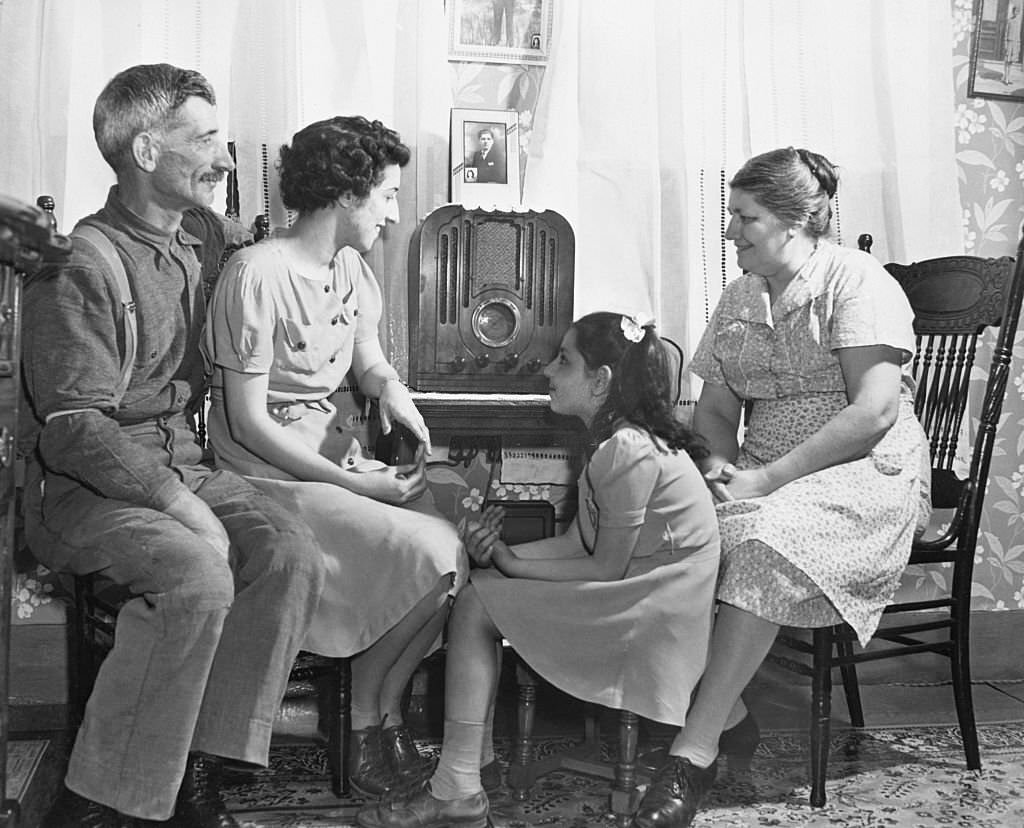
142	98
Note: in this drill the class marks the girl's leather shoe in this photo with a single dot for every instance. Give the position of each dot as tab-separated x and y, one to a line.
423	810
738	743
675	795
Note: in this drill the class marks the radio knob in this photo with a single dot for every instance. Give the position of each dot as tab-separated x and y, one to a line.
534	365
483	360
511	359
459	363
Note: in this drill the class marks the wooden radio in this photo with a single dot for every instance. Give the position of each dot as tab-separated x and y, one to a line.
490	296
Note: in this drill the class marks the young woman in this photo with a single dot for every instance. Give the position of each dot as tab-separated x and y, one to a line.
289	318
615	611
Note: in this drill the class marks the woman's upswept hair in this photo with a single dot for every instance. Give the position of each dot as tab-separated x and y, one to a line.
641	385
795	185
327	159
140	99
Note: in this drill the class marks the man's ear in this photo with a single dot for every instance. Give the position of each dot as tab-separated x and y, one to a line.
347	199
145	151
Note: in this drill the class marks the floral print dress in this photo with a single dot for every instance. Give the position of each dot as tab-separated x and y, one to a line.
832	545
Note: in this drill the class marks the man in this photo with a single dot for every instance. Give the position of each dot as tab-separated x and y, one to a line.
223	581
489	159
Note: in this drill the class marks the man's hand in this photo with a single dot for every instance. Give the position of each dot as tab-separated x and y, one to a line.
192	512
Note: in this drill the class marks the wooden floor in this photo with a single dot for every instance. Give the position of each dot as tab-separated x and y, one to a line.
38	711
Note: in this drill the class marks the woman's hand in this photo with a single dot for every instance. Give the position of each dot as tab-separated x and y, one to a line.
396	485
729	483
717	478
396	406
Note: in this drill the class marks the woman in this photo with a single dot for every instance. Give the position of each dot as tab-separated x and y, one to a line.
288	319
819	506
615	611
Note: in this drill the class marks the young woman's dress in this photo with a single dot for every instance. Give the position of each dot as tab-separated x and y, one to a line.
831	545
266	317
638	643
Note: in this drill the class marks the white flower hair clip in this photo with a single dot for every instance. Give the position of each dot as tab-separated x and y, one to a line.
633	325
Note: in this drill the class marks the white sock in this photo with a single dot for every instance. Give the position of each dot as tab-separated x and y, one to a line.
458	770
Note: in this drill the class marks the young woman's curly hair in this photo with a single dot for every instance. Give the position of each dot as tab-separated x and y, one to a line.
340	155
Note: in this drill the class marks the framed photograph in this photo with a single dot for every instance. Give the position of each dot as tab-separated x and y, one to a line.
996	70
485	158
499	31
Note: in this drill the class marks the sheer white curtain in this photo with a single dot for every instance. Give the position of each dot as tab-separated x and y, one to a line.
276	65
648	109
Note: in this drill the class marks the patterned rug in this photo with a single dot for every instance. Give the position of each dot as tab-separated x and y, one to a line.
877	778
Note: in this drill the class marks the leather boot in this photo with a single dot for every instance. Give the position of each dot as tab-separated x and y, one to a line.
199	802
369	771
73	811
404	757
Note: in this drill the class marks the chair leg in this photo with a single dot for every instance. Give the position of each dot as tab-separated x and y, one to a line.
821	713
850	684
519	776
960	663
623	796
338	708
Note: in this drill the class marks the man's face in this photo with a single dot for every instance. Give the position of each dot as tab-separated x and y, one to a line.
486	141
191	158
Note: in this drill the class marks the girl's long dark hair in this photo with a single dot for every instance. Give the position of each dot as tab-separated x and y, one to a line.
641	384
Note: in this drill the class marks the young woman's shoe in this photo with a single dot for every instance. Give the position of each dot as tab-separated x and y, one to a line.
675	794
369	771
423	810
403	757
738	743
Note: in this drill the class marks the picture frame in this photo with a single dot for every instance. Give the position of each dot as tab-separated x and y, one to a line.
996	70
500	31
485	171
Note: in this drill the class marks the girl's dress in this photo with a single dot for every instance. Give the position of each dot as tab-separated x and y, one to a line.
832	545
266	317
638	643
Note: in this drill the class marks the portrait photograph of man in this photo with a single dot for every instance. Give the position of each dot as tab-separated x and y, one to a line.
488	161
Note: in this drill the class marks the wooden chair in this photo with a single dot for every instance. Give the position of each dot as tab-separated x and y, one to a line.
91	628
954	300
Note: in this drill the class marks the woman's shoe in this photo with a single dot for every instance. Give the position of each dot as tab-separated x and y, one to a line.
738	743
423	810
403	756
675	795
369	771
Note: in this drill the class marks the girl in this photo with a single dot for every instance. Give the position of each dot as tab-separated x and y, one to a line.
615	611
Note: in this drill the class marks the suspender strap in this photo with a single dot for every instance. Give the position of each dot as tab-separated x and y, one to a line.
102	244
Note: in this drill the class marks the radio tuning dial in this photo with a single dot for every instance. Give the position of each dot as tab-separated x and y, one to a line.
483	360
511	359
534	365
459	362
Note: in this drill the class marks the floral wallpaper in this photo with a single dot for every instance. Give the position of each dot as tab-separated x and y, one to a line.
990	146
990	141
